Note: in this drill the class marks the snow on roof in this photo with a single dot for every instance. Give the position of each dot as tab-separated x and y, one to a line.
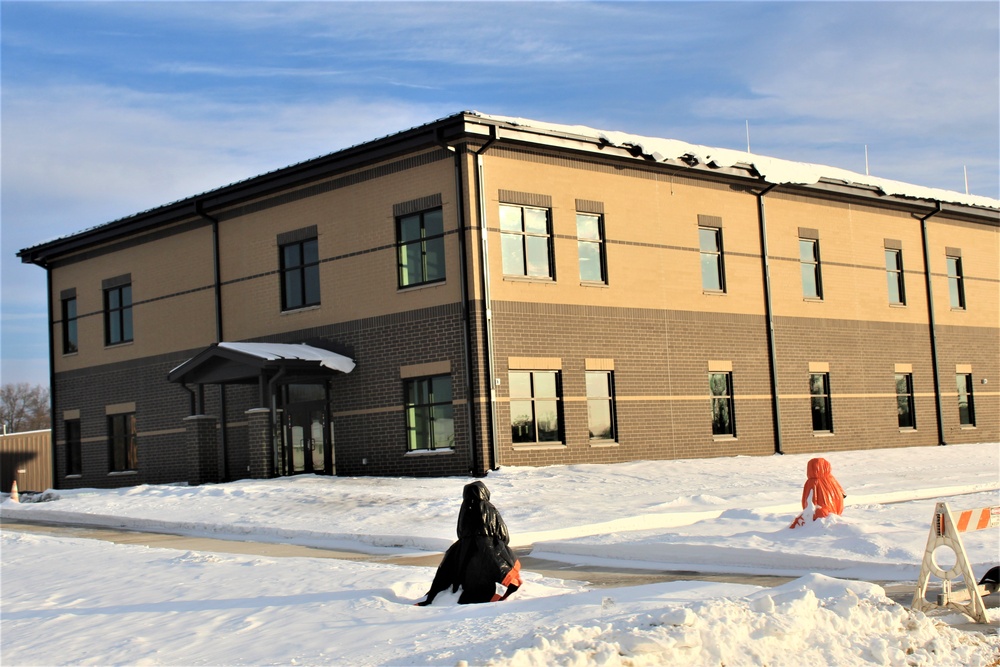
772	170
301	351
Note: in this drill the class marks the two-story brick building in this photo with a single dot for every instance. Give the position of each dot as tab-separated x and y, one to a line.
484	291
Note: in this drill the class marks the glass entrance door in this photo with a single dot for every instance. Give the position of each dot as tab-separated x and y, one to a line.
307	447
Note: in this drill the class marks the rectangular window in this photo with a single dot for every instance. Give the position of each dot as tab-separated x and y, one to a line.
894	276
123	453
956	282
118	314
430	422
420	247
300	274
712	270
534	406
590	247
601	405
812	284
819	392
74	465
723	416
526	241
966	406
904	400
70	340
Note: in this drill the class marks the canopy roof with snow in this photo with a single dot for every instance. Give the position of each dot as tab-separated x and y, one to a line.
248	363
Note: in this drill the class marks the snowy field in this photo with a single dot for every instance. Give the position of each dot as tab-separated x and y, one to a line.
76	601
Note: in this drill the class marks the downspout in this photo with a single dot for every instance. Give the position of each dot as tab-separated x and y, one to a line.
487	304
217	277
52	380
772	354
466	318
930	319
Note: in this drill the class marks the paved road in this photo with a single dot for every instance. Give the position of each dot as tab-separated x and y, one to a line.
598	577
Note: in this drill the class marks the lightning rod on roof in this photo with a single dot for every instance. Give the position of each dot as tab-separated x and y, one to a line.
748	135
966	170
866	161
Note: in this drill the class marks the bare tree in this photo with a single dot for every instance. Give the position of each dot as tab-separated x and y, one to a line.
24	407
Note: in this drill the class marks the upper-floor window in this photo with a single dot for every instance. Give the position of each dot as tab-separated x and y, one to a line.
956	281
819	393
118	310
526	241
123	450
299	274
70	333
590	247
966	406
720	387
904	400
600	405
430	422
812	283
420	247
712	269
534	406
894	276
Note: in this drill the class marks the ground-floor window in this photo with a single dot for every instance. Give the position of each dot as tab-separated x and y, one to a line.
904	400
74	466
601	405
723	418
123	451
819	391
966	407
430	422
534	406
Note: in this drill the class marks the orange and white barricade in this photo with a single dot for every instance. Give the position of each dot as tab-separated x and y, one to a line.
946	532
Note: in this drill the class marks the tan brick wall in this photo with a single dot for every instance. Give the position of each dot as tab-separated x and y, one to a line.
171	284
356	234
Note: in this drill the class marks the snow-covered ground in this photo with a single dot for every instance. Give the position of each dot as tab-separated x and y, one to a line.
77	601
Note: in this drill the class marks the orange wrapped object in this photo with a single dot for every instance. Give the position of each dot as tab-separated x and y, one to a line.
827	494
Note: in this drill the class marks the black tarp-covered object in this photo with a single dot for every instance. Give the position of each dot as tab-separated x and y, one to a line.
480	563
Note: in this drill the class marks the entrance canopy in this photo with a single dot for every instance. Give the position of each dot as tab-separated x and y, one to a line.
253	363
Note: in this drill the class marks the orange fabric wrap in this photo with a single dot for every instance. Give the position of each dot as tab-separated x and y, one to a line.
827	494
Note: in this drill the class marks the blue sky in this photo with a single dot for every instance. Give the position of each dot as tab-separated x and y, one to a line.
113	108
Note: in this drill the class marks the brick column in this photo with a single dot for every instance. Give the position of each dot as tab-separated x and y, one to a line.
202	449
259	443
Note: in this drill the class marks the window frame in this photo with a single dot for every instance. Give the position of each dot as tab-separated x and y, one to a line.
429	411
70	326
727	399
523	236
600	242
119	315
535	399
718	263
964	385
74	460
956	282
906	395
609	401
894	276
823	398
306	270
126	441
423	241
815	263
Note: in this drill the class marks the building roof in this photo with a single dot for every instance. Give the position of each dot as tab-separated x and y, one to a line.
474	126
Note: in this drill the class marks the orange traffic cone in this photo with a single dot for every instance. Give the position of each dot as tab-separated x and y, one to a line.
13	492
